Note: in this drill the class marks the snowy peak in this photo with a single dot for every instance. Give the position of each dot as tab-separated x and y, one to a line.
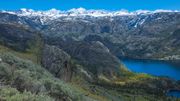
30	12
97	13
77	11
54	13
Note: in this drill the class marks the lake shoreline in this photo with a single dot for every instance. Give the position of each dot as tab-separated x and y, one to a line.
151	59
160	68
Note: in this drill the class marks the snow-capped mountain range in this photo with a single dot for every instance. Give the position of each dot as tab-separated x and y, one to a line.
49	15
54	13
126	33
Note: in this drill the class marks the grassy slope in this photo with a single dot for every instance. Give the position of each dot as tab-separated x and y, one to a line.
24	55
32	78
31	55
12	94
37	79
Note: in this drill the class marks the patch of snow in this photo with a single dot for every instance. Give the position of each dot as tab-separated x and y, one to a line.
9	12
136	25
142	12
161	10
142	21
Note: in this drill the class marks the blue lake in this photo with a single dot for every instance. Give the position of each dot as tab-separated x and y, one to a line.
157	68
174	93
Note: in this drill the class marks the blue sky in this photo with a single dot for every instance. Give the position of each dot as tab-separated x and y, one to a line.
130	5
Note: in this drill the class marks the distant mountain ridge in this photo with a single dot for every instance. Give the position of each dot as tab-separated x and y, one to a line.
127	34
54	13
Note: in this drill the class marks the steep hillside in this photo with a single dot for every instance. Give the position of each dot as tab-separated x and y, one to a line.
49	57
133	35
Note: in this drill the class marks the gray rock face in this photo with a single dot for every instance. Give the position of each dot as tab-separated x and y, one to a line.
57	62
94	56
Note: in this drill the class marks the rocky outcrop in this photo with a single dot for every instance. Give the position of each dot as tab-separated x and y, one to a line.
93	56
57	62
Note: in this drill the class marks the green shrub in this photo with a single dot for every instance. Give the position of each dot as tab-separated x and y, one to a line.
26	76
11	94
